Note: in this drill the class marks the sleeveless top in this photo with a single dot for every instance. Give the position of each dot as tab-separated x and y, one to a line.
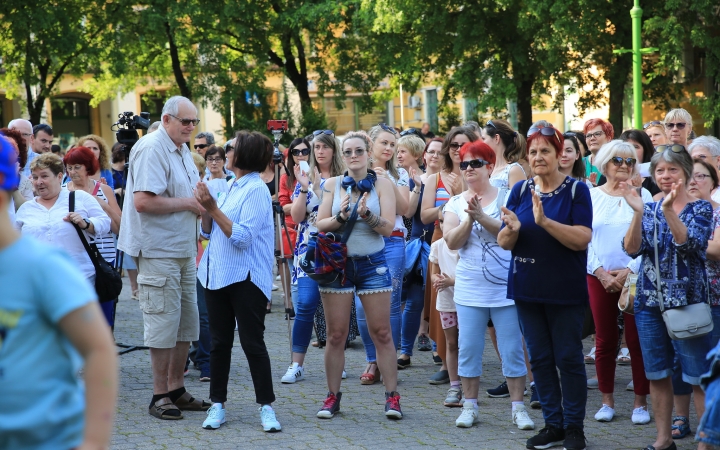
502	179
441	194
105	243
403	180
363	240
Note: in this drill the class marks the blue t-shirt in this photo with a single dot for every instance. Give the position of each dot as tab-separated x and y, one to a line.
43	400
542	269
107	174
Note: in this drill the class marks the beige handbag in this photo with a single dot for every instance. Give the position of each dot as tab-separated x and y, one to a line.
626	302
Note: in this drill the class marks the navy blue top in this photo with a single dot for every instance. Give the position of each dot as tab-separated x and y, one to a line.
542	269
418	227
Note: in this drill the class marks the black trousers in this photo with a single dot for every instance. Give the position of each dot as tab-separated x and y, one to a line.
245	303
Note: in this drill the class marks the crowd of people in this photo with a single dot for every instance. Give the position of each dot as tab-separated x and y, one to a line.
394	236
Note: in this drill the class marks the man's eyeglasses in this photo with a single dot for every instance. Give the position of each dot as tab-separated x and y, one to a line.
679	125
197	146
186	122
677	148
618	161
595	135
319	132
653	123
413	131
387	128
214	160
700	177
300	151
474	163
26	135
456	145
545	131
357	152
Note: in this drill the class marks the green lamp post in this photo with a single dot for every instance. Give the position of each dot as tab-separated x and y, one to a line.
637	52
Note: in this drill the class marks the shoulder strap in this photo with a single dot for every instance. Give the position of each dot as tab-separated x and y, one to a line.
502	193
524	186
572	191
350	223
96	189
72	201
657	261
81	235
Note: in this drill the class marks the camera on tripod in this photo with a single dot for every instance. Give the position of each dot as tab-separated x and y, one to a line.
127	125
277	128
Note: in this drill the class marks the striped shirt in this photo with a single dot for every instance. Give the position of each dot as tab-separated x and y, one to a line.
249	250
106	242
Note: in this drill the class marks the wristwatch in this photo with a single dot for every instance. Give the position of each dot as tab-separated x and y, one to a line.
366	214
339	218
303	192
88	223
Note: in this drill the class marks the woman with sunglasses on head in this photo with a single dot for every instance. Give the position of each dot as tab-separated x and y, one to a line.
597	132
510	153
547	224
679	227
444	185
678	126
644	149
607	269
383	160
655	131
370	199
415	294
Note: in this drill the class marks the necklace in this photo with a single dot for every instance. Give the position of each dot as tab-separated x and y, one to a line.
555	192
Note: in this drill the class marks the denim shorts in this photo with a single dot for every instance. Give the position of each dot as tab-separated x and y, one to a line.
709	429
659	351
363	275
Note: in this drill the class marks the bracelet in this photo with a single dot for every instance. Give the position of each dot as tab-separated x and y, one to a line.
415	192
303	192
339	218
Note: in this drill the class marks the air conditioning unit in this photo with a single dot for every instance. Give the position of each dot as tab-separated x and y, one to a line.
414	102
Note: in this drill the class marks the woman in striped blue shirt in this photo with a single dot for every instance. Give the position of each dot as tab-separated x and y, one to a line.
236	272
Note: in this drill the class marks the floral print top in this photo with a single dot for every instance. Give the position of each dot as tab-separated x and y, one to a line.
304	228
683	278
713	267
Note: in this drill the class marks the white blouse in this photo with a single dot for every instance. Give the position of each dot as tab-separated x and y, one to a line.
47	225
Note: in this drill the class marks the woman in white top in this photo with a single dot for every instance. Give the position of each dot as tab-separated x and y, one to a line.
510	153
472	222
47	217
607	271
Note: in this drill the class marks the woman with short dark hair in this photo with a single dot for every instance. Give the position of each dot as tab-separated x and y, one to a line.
236	272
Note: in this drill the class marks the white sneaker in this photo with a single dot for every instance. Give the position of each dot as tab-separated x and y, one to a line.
275	287
630	386
215	417
268	420
521	418
605	414
468	417
640	416
344	375
294	373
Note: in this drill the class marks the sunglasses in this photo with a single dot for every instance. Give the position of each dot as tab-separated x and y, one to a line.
572	134
413	131
385	127
490	124
617	160
474	163
300	151
679	125
545	131
456	145
197	146
186	122
653	123
357	152
319	132
214	160
677	148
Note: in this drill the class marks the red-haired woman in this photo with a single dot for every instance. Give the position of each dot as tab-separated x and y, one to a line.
472	222
547	225
81	164
597	133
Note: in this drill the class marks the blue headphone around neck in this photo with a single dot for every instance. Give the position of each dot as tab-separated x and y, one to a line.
364	185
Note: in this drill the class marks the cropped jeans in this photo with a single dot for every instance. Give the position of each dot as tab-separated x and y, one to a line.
307	302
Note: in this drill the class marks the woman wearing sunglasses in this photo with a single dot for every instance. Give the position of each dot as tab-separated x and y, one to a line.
607	269
683	225
547	224
678	125
366	271
472	221
644	150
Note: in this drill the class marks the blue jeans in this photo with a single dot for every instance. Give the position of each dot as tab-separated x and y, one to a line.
709	429
411	317
553	334
679	386
307	302
204	343
395	258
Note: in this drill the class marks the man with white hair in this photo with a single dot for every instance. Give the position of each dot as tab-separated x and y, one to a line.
159	231
26	129
707	148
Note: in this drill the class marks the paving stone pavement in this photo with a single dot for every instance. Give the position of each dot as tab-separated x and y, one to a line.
362	424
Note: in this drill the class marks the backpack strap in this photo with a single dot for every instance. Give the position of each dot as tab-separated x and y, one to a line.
524	186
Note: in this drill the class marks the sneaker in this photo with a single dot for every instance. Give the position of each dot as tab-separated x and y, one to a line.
437	360
330	406
605	414
500	391
549	436
294	373
468	416
534	399
630	386
215	417
268	420
590	357
593	383
574	438
392	405
403	363
344	375
424	344
640	416
440	377
521	418
275	287
205	378
454	397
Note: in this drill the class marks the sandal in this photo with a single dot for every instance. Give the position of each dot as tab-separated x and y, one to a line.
670	447
683	428
590	357
135	294
161	409
318	344
623	358
187	402
368	378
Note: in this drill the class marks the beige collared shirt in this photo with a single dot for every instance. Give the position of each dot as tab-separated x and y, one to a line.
158	166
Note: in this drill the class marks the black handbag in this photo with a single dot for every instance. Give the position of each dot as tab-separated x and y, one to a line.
108	283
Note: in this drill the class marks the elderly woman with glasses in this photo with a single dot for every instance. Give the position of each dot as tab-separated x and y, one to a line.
707	148
547	224
598	132
679	226
607	270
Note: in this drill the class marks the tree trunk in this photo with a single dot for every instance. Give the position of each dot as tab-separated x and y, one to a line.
618	74
177	67
524	104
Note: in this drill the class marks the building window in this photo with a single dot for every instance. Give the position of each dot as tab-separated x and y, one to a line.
70	117
153	103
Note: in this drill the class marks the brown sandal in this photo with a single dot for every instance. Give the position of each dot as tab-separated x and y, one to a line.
161	408
368	378
187	402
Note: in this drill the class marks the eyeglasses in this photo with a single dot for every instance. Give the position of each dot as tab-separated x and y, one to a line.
545	131
387	128
700	177
595	135
26	135
677	148
456	145
186	122
474	163
300	151
414	131
319	132
679	125
214	160
490	124
349	153
432	153
197	146
653	123
617	161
